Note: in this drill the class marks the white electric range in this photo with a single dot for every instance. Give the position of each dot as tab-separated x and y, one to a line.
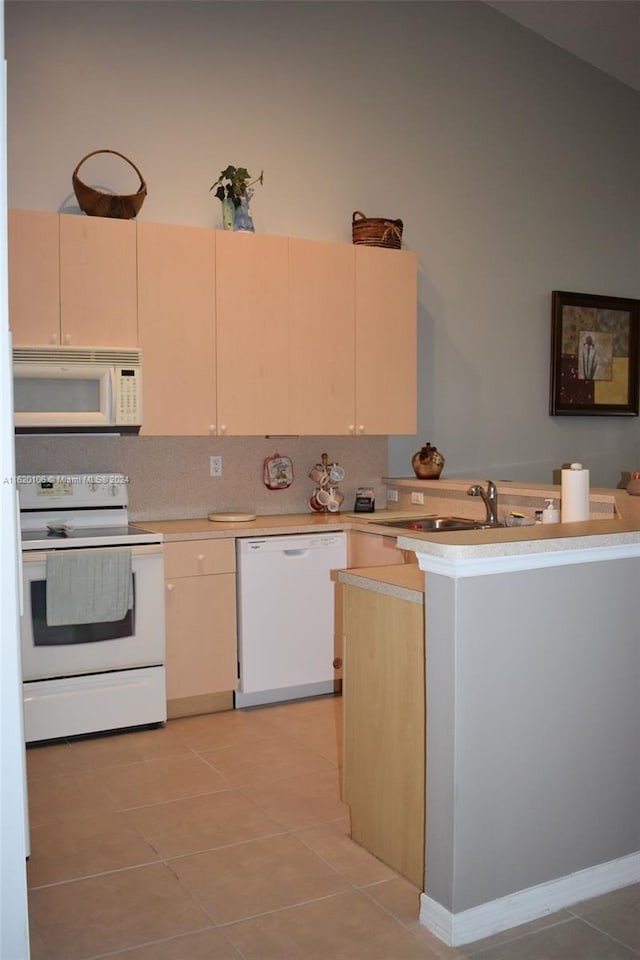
96	672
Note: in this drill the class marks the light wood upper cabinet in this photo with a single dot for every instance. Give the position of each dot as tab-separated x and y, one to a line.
386	341
242	334
98	302
252	334
321	337
176	328
34	277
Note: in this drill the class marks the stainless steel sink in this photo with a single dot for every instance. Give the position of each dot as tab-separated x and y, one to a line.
439	524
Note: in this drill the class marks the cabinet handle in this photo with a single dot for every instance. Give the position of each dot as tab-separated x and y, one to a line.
352	428
67	338
53	338
337	663
212	428
361	428
223	428
169	587
201	557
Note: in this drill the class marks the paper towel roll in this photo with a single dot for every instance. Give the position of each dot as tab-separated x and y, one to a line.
575	494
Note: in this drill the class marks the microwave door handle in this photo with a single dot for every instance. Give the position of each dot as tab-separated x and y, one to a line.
112	412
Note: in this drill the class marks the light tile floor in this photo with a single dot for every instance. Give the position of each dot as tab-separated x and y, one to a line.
223	837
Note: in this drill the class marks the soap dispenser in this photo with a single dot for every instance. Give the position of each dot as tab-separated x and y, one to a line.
550	513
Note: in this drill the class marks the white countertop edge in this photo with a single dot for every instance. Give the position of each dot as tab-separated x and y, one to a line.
559	553
381	586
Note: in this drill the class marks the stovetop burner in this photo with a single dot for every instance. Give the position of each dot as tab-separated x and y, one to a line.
81	537
76	511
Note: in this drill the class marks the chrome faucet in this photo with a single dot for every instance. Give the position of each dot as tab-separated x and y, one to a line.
489	498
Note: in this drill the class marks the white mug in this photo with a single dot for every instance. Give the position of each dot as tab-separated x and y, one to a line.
324	497
336	498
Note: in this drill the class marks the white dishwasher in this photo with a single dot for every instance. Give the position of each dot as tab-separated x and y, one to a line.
286	616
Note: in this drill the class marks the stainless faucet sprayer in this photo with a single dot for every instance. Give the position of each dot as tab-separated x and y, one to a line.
489	498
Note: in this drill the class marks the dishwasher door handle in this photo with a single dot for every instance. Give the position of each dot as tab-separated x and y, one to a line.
295	553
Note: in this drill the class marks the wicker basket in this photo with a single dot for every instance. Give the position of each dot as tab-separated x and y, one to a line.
95	203
376	231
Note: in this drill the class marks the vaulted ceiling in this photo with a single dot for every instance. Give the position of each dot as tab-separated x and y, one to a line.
605	33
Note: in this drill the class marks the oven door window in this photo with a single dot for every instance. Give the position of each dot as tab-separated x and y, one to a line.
46	636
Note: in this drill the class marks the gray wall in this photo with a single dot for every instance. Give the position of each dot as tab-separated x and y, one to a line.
513	164
533	719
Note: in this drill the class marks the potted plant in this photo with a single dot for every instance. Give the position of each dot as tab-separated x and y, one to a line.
234	191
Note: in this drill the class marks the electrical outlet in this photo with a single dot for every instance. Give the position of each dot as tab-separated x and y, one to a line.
417	497
392	496
215	466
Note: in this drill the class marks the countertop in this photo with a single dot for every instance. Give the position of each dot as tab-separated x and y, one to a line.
624	528
404	581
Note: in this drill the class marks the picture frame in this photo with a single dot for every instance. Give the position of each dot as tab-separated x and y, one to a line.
594	355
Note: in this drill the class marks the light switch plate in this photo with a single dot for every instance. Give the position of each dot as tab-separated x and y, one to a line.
215	466
417	496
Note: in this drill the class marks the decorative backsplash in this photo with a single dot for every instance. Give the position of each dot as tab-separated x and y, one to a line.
169	476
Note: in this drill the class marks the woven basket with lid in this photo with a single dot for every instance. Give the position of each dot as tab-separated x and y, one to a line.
96	203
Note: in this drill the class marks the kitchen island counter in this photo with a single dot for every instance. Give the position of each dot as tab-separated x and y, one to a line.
533	719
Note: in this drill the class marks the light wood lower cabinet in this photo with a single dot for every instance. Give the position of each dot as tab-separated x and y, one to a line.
384	727
376	550
201	655
365	550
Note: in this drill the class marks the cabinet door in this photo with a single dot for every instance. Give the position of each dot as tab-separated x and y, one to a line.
321	337
34	277
251	325
98	301
199	558
386	341
176	327
201	653
384	727
375	550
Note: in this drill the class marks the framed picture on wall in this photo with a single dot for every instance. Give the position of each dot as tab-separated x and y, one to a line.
594	355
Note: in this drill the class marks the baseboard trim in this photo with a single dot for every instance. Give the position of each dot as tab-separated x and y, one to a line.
525	905
202	703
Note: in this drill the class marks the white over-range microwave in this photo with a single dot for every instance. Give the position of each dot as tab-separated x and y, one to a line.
77	388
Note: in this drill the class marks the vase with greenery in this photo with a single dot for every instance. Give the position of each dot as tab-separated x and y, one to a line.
233	189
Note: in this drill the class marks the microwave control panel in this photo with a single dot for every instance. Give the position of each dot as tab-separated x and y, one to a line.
129	395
